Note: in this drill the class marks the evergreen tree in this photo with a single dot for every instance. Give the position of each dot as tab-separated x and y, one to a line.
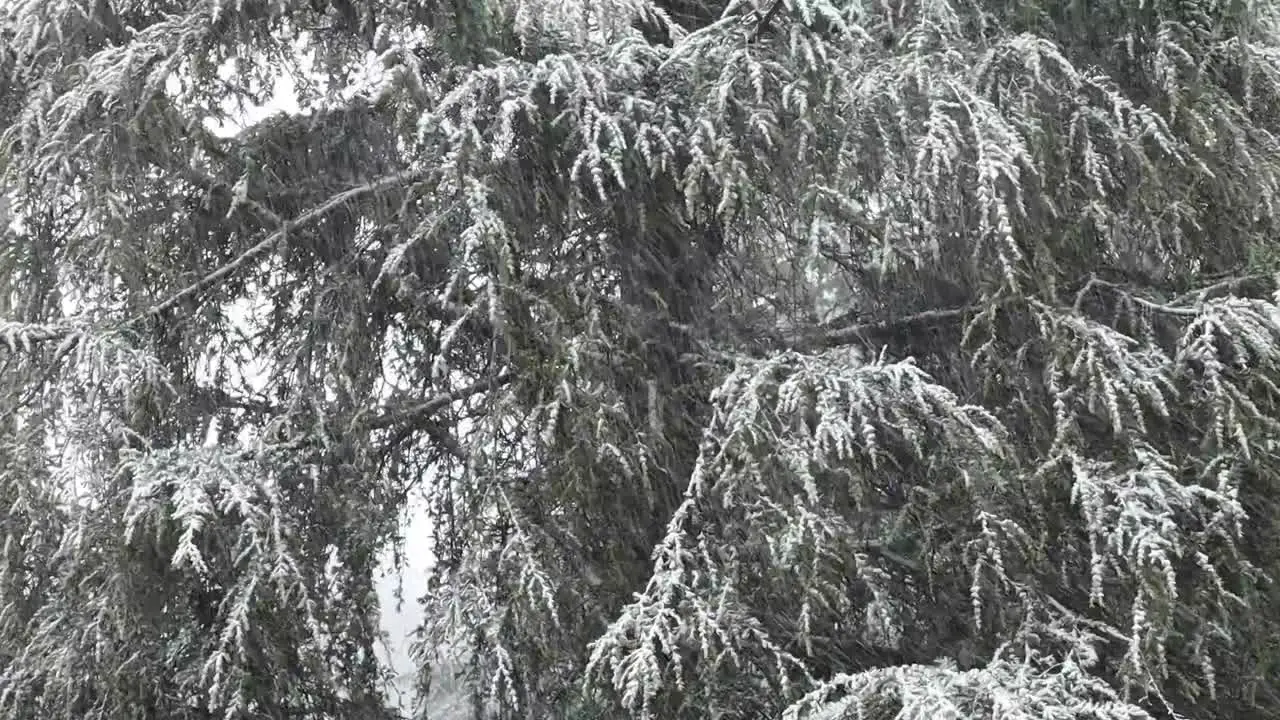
776	358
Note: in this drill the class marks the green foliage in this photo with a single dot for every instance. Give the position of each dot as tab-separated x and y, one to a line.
794	358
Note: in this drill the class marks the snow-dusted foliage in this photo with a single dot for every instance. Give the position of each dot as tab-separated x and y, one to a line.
776	358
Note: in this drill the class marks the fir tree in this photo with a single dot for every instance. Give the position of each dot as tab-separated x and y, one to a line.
791	358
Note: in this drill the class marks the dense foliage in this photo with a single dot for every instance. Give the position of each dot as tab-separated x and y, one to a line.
790	358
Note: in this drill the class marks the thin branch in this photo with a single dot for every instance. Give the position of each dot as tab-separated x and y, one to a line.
417	411
446	440
834	338
250	255
1223	287
24	336
1101	627
1095	281
1185	305
895	558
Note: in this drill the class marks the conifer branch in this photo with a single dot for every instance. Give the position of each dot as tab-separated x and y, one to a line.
1095	281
